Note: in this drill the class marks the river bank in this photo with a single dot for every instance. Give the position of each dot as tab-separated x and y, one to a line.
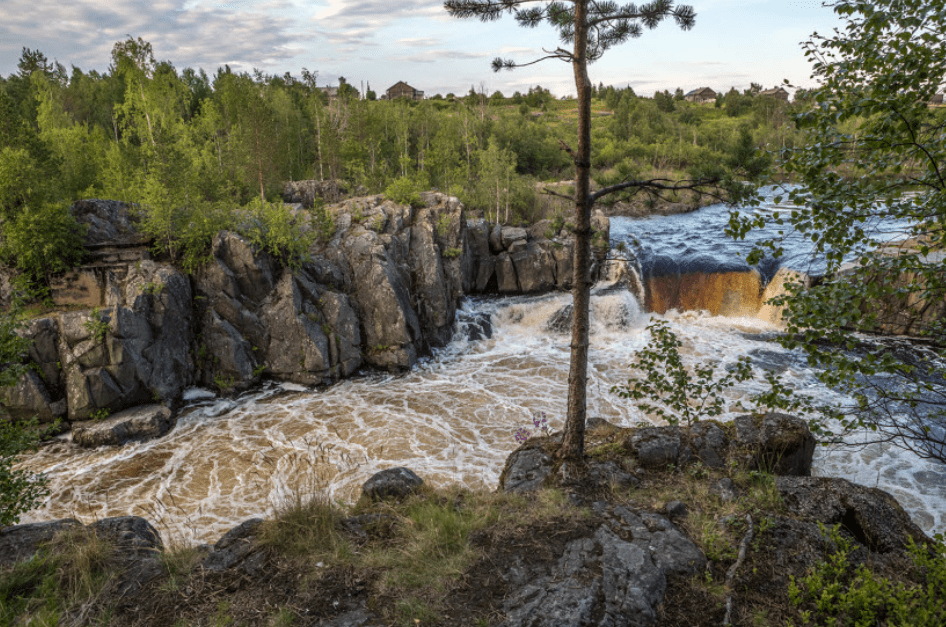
657	527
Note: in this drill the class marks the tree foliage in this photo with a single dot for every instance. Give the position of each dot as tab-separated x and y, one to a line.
20	489
873	163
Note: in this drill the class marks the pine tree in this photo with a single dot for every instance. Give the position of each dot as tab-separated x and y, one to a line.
588	29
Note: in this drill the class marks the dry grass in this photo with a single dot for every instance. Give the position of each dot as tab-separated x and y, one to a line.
69	572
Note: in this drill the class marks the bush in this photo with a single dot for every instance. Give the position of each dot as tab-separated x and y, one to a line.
667	382
836	593
273	227
403	190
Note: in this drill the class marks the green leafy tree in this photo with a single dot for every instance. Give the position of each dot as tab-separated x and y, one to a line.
41	242
678	395
587	30
875	153
496	170
20	489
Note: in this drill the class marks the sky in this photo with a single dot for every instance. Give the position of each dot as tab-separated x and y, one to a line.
380	42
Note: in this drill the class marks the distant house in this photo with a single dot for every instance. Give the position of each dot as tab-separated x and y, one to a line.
331	92
701	95
776	92
402	90
936	100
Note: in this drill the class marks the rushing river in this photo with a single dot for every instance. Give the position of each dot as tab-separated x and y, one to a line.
451	419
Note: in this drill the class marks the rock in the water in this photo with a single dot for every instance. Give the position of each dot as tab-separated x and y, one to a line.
138	423
395	482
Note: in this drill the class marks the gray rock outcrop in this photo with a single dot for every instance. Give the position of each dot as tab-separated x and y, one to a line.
379	289
513	260
772	442
872	516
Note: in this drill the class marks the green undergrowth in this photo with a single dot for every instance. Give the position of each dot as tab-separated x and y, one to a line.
840	594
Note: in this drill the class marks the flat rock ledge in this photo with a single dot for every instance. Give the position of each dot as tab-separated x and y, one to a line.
145	422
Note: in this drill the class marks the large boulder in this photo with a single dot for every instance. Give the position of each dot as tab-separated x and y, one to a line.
433	292
381	295
773	442
614	575
132	353
19	543
535	268
30	397
318	338
873	517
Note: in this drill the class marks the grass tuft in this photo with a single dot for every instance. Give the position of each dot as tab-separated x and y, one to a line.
307	528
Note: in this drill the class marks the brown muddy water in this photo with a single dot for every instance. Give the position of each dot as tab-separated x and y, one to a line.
451	419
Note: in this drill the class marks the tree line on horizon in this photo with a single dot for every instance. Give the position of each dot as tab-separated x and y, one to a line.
190	148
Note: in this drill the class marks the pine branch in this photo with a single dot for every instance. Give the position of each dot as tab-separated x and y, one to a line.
657	185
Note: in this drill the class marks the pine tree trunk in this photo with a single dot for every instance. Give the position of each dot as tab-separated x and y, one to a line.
573	444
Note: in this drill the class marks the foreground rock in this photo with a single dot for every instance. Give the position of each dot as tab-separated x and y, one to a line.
771	442
132	537
616	575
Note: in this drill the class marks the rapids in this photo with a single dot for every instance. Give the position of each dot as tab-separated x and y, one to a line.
451	419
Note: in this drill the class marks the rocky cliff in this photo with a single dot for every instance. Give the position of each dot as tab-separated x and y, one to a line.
378	291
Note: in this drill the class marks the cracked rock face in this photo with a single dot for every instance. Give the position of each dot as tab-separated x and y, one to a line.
614	577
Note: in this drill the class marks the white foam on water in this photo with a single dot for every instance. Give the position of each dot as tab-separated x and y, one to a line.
451	419
197	394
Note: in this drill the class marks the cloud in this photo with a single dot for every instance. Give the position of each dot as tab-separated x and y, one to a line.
432	56
209	34
368	16
419	42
